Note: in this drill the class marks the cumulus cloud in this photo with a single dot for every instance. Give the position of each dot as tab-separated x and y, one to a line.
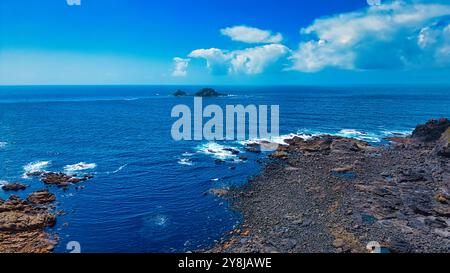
180	67
251	35
392	35
248	61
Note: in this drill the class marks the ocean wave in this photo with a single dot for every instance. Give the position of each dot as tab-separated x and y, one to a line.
117	170
36	166
218	151
3	144
281	140
3	183
120	168
82	166
365	136
371	137
185	161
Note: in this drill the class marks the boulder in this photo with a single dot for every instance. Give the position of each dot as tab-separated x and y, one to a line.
443	145
14	187
42	197
218	192
345	169
279	155
232	151
432	130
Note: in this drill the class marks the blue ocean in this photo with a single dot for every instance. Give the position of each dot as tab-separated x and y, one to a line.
148	194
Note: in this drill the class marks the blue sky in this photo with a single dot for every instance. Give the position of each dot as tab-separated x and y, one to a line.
224	42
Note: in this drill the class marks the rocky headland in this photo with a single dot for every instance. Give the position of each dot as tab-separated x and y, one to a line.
334	194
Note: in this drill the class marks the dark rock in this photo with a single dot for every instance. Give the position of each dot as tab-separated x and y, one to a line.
62	179
42	197
218	192
208	92
279	155
14	187
35	174
443	145
180	93
432	130
232	151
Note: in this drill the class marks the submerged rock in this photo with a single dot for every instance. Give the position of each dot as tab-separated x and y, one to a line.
218	192
14	187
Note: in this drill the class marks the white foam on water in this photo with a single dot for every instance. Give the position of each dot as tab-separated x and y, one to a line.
351	132
3	183
120	168
364	136
217	150
281	140
81	166
185	161
36	166
3	144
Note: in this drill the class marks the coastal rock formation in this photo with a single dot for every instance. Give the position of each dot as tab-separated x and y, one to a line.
22	227
219	192
334	194
42	197
443	145
60	179
208	92
180	93
431	131
14	187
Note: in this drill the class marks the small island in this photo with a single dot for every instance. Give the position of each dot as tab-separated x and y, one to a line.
208	92
180	93
204	93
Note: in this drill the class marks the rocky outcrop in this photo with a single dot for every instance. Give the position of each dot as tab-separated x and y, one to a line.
22	227
62	179
326	143
431	131
443	145
14	187
42	197
180	93
208	93
218	192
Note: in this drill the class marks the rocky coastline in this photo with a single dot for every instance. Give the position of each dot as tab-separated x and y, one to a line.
334	194
24	223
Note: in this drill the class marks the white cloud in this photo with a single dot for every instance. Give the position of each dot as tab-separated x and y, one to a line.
248	61
180	67
251	35
392	35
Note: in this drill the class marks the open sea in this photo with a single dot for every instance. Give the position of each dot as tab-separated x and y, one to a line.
148	194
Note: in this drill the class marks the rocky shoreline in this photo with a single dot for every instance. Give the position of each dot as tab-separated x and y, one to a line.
24	223
334	194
